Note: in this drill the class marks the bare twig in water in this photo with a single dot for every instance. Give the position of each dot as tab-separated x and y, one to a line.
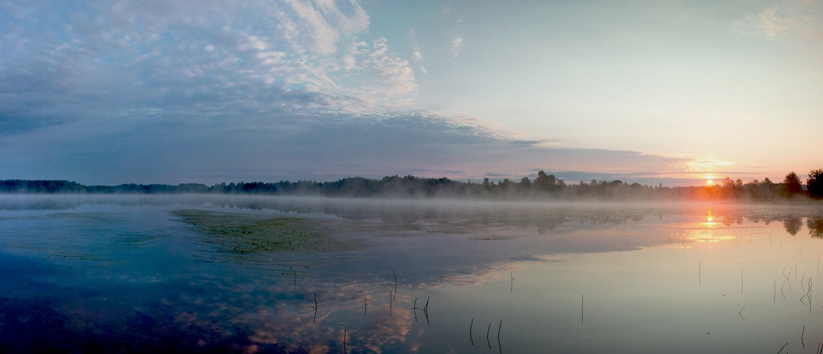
801	282
470	331
801	337
426	308
581	308
487	335
365	306
344	340
315	308
809	292
498	329
512	286
781	348
741	312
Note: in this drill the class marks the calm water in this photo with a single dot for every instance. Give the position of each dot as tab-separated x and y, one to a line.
223	274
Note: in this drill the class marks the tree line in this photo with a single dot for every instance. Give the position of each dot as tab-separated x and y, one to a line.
544	186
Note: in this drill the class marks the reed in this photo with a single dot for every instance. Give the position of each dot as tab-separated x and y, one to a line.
781	348
741	312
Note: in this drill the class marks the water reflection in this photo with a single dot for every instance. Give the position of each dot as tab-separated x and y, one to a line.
792	224
815	227
133	277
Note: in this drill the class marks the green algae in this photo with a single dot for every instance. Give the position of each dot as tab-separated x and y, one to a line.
239	233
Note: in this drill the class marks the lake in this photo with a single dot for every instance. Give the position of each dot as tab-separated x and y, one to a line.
253	274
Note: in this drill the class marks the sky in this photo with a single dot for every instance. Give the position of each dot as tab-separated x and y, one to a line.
208	91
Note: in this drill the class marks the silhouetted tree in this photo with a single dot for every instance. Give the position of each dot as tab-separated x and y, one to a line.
545	182
814	184
730	188
525	183
792	225
791	185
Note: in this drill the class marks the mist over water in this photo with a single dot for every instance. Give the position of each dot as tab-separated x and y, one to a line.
200	273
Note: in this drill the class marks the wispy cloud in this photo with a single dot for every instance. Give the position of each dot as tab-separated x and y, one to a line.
456	45
771	22
417	56
394	72
706	165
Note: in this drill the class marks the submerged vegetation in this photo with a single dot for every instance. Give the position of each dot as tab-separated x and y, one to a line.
545	186
243	234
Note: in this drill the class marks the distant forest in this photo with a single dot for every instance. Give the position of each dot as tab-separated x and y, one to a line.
545	186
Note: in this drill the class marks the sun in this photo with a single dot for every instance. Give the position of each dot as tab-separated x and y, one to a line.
709	182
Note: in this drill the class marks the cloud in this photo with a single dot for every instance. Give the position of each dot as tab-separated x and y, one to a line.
293	146
119	58
772	22
156	91
706	165
394	72
417	56
456	45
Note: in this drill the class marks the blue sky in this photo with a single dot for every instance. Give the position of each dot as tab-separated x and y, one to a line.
211	91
